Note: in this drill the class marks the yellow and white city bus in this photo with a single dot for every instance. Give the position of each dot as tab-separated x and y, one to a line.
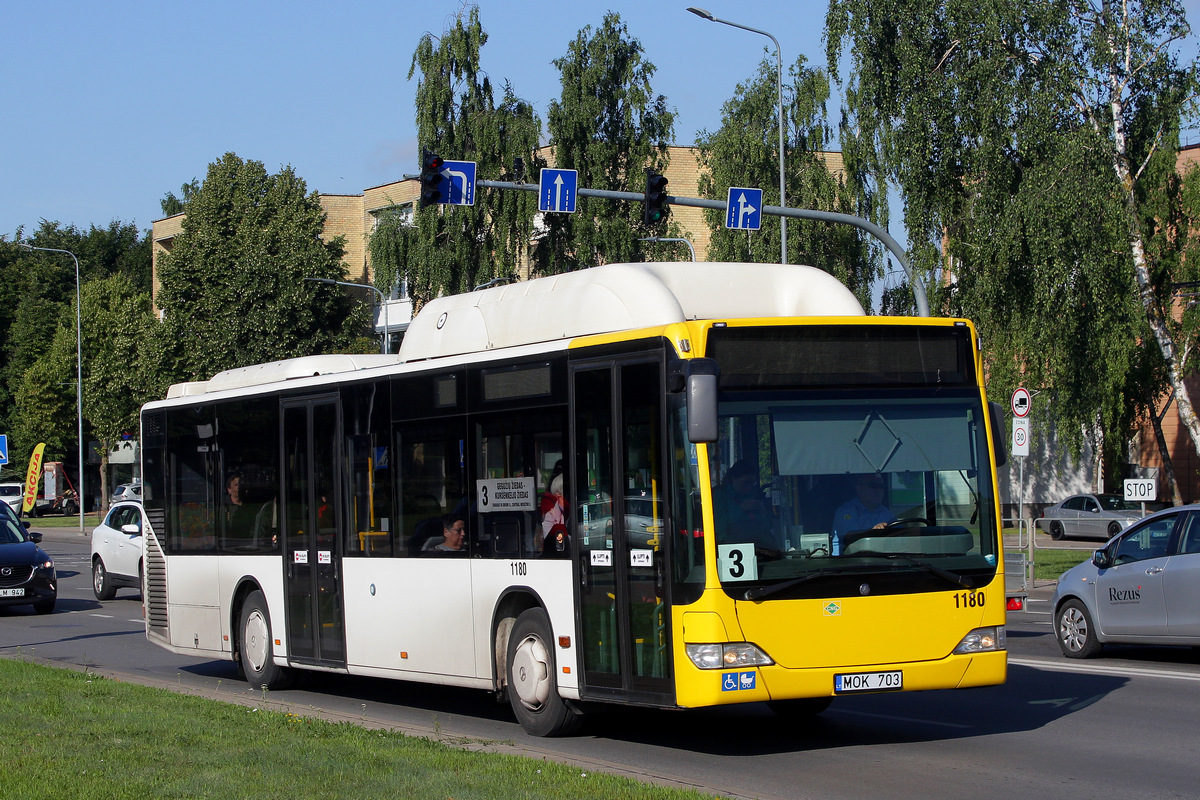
766	496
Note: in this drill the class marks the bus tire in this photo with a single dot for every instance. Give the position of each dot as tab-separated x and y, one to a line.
532	678
255	652
800	707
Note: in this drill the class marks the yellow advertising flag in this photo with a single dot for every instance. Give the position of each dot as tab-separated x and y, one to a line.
32	477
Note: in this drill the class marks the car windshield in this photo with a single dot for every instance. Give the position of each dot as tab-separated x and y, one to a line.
812	495
10	490
1115	502
11	529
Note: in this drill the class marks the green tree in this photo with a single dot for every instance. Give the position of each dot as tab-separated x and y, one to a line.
44	396
1026	140
37	295
232	288
452	249
118	322
172	205
745	152
610	126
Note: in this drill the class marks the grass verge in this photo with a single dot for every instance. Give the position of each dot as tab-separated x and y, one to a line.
60	521
1050	564
79	735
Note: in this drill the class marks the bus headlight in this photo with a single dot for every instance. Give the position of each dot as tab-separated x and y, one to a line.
983	640
729	654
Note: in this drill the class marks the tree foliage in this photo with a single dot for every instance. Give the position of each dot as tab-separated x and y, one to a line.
745	152
172	205
609	126
451	249
1026	140
37	326
232	288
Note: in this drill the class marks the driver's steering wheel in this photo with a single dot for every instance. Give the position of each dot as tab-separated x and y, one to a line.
900	523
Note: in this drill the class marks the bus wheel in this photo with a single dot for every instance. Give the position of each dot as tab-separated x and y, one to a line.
532	681
254	646
800	707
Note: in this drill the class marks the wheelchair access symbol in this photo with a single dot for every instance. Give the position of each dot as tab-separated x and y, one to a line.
738	681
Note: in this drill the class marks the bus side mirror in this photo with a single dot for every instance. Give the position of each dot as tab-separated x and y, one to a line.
703	376
998	433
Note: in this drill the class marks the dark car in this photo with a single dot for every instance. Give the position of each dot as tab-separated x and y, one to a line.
26	572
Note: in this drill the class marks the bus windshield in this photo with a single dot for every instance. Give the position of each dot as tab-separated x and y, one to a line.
838	487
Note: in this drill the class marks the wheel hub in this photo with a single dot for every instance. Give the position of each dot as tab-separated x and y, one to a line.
531	672
256	642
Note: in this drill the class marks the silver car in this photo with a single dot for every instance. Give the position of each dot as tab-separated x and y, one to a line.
1095	516
1143	587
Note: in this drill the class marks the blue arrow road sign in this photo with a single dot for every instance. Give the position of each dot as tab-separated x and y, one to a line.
556	190
3	448
744	209
458	183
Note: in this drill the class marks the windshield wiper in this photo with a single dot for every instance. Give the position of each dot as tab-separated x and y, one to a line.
945	574
760	592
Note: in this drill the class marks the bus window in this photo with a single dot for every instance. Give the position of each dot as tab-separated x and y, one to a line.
367	425
432	472
515	513
193	481
248	504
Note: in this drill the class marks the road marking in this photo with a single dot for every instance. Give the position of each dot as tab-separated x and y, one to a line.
102	616
1101	669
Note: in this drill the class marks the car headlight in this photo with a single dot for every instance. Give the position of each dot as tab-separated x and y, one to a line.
726	655
983	640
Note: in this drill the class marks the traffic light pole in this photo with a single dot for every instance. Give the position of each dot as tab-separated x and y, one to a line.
918	288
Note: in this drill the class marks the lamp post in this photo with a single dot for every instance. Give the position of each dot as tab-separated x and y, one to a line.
383	346
78	367
658	239
700	12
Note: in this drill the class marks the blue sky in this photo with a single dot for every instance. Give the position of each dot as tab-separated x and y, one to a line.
112	104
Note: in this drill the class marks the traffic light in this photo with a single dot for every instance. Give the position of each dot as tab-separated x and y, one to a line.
656	208
431	179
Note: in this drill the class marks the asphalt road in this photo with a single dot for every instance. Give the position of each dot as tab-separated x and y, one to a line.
1119	726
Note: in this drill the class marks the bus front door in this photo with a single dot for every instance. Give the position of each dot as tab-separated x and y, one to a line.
312	522
619	492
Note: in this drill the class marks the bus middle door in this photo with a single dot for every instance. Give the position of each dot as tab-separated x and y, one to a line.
312	522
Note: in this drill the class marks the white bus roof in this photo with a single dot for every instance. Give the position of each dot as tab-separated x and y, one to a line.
614	297
618	297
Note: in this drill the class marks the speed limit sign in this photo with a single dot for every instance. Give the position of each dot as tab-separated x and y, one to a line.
1020	436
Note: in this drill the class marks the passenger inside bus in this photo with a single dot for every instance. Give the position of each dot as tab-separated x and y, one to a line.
742	511
453	539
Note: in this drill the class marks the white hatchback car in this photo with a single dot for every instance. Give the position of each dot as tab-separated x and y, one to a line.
117	550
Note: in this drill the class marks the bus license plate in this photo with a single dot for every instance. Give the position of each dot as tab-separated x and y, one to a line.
868	682
12	592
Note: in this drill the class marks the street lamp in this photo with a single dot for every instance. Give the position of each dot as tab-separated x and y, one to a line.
700	12
657	239
78	367
383	346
